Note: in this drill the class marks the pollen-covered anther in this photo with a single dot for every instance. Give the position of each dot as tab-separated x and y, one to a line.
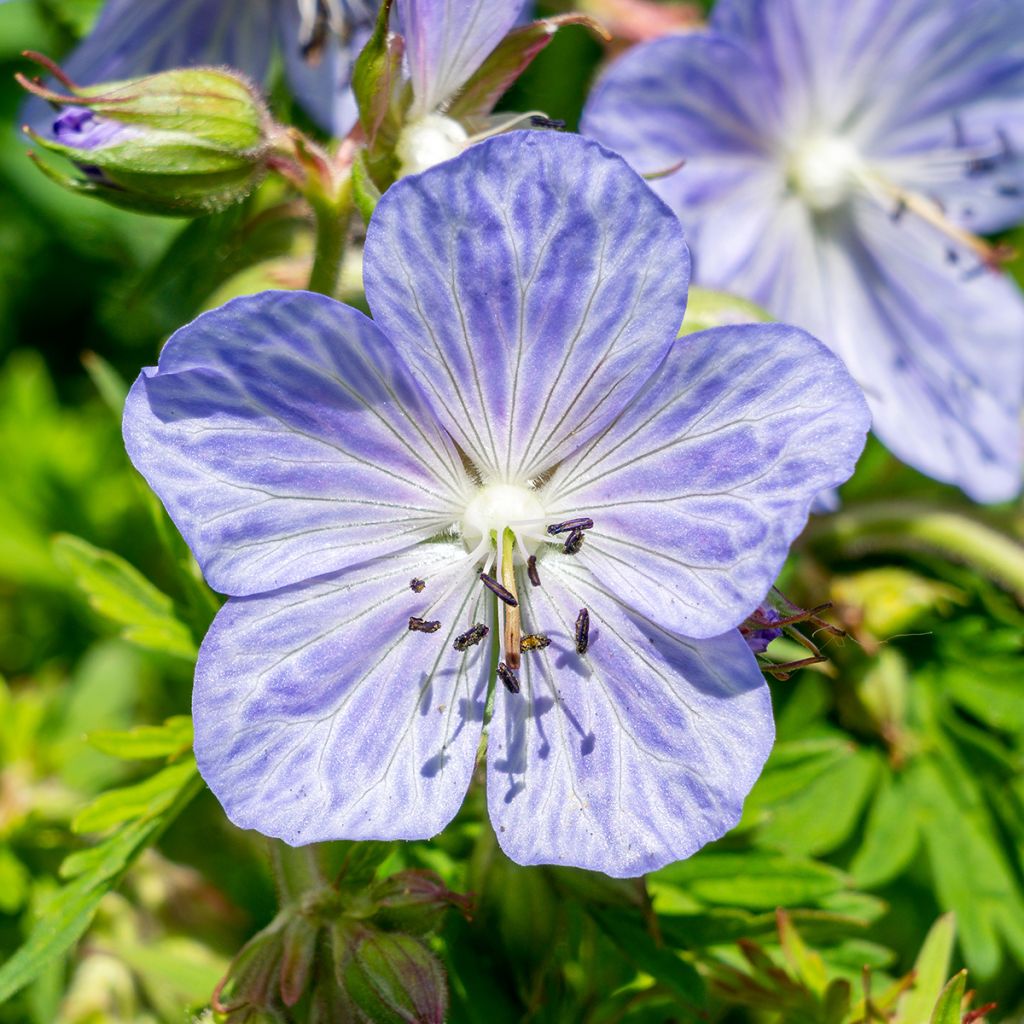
582	631
508	677
418	625
471	637
534	642
498	590
573	542
416	585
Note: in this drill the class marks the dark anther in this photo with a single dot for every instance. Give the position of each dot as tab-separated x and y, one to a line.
546	122
508	677
1007	146
898	210
573	542
531	570
583	523
416	585
952	256
472	636
498	590
582	631
418	625
1008	191
312	47
533	642
981	165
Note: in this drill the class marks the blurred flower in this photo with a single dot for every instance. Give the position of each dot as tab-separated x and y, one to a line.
838	156
627	492
183	142
318	38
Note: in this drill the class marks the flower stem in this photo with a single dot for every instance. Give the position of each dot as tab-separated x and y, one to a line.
906	527
332	219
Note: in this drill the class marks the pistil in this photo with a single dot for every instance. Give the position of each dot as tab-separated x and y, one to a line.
513	622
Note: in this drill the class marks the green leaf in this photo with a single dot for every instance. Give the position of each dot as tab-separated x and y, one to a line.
14	882
947	1009
146	741
930	971
147	798
891	837
626	931
122	594
110	385
755	880
800	824
68	913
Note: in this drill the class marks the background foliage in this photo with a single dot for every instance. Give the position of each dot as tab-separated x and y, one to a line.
894	796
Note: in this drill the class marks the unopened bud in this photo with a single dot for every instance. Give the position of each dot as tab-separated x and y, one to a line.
184	142
395	979
414	901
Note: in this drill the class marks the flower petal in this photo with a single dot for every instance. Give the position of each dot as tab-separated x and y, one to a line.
287	441
447	40
705	100
632	756
944	374
699	488
532	286
135	38
320	715
324	86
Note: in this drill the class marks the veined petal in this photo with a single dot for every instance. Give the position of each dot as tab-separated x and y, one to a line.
133	37
286	441
632	756
705	100
944	374
532	286
320	715
324	86
699	488
447	40
683	96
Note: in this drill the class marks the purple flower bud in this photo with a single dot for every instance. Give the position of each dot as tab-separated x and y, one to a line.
758	630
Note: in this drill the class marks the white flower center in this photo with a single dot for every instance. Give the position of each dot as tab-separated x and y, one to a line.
498	506
430	140
824	169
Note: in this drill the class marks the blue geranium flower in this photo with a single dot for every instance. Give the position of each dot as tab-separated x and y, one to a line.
840	155
319	39
514	464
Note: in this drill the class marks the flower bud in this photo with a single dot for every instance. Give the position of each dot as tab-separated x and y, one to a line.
184	142
395	979
414	901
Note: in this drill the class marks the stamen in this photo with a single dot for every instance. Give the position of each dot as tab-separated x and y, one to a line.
498	590
573	542
582	631
508	677
1008	191
313	30
416	585
513	624
540	121
531	570
897	214
471	637
582	523
533	642
418	625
